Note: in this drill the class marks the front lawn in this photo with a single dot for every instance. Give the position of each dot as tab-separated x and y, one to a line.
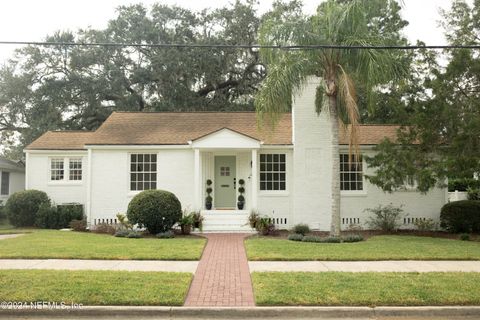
365	289
52	244
375	248
95	287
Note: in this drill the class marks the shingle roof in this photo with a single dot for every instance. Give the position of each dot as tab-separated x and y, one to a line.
178	128
61	140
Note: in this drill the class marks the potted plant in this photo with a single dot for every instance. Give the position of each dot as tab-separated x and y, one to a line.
186	223
197	220
241	198
209	199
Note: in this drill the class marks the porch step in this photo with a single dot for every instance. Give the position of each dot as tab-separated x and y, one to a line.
226	220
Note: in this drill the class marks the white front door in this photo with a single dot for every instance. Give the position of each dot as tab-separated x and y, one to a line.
225	180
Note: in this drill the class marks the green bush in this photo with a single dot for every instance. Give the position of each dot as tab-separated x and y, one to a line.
461	216
463	184
295	237
166	235
22	207
385	218
473	194
331	240
302	229
58	217
156	210
465	237
353	238
2	212
312	239
425	224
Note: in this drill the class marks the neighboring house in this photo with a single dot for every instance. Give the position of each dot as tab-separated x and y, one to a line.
12	178
287	171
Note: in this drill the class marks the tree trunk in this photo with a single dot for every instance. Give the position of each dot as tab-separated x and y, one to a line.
335	224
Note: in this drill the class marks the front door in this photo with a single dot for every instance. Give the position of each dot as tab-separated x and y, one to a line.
225	176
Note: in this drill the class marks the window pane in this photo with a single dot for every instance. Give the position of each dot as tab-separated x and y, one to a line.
56	170
143	170
272	172
351	173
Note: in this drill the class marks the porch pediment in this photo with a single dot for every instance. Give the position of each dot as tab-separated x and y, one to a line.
226	138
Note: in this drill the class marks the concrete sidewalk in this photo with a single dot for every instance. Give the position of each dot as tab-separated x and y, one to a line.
116	265
365	266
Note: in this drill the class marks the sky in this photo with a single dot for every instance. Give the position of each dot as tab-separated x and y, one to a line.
32	20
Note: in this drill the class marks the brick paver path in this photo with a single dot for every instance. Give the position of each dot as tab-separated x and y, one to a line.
222	277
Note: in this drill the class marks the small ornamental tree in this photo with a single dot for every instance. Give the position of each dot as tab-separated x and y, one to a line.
156	210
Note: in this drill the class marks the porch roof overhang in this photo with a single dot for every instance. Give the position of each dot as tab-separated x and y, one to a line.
225	138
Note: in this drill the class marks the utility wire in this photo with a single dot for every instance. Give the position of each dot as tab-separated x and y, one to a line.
240	46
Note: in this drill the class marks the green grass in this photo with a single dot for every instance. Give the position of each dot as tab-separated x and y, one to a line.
52	244
375	248
95	287
366	289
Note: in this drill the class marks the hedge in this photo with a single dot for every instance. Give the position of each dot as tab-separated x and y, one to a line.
461	216
22	207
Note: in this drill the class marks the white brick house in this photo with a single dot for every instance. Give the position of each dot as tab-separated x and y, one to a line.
287	171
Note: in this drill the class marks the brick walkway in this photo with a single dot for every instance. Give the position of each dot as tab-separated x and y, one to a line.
222	277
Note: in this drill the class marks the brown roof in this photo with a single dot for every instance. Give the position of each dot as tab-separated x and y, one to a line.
178	128
61	140
371	134
162	128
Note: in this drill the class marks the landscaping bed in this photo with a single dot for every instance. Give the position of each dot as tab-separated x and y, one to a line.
365	289
53	244
95	287
393	247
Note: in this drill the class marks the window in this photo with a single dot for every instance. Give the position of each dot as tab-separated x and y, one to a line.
5	187
351	173
143	171
75	169
56	169
66	169
272	172
225	171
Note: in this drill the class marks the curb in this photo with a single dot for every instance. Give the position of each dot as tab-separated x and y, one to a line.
245	312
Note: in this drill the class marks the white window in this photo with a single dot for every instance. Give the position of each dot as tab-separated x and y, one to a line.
75	169
351	173
66	169
5	186
273	174
57	171
143	171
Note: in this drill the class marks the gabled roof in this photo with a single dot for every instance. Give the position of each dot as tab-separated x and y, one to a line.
179	128
11	165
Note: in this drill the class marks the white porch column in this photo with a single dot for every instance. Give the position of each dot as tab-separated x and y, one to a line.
254	179
196	181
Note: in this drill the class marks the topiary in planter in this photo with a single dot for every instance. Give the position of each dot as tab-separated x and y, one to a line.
156	210
22	207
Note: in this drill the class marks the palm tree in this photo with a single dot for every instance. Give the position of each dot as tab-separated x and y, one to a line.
335	23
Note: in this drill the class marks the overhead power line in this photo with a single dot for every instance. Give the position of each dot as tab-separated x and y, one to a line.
239	46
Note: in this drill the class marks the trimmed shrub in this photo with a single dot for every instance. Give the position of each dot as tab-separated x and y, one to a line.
122	233
312	239
156	210
22	207
295	237
79	225
331	240
461	216
166	235
302	229
385	218
2	212
353	238
58	217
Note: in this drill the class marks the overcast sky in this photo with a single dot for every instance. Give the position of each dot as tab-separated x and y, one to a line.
31	20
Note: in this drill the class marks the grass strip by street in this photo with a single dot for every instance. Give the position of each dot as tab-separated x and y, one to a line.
365	289
52	244
95	287
391	247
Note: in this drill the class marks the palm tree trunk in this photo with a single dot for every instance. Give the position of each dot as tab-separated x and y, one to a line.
335	224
